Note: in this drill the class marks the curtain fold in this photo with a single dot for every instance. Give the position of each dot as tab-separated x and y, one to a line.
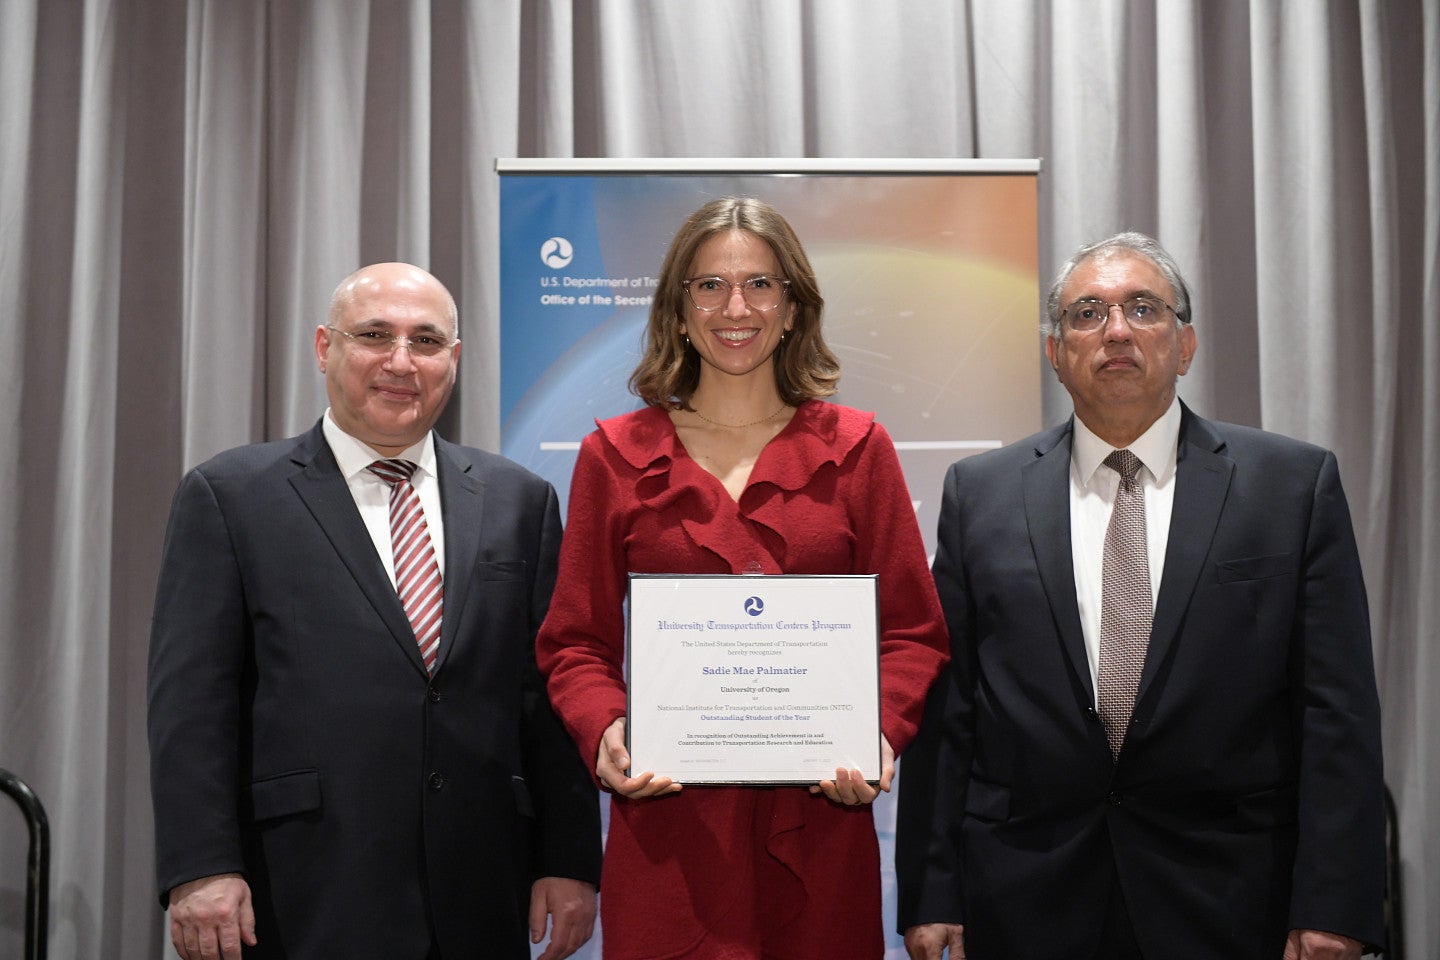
223	214
183	182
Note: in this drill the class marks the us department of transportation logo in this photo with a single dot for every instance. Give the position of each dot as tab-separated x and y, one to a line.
754	606
557	253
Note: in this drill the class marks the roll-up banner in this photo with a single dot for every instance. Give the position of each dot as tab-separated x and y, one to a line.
928	269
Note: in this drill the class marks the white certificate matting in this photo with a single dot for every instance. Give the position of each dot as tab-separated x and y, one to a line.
753	679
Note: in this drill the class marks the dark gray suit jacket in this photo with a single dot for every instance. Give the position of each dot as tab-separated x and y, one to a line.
295	736
1247	798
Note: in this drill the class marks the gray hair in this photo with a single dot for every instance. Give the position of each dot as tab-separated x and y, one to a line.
1131	242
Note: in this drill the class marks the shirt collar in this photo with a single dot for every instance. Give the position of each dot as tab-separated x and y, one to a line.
355	456
1156	447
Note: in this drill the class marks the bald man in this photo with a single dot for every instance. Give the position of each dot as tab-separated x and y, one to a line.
352	754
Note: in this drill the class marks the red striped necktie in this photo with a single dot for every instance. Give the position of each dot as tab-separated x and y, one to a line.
417	573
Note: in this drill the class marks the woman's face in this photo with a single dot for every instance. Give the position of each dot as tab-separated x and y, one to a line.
736	339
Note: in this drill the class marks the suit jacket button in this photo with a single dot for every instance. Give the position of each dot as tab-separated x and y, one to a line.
435	695
1113	798
437	781
1091	714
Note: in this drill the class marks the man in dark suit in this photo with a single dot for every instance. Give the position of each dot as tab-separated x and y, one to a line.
325	783
1159	736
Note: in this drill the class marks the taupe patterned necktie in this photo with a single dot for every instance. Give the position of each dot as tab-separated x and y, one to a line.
1127	607
417	572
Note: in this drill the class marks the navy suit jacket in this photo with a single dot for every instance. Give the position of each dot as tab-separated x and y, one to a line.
296	738
1247	797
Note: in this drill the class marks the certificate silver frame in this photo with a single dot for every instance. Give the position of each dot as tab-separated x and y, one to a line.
799	679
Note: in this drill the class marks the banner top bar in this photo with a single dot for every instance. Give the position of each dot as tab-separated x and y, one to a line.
771	165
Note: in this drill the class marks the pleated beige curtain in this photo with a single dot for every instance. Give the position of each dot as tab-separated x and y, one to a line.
182	182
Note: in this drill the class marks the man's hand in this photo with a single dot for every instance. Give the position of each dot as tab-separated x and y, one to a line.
849	787
209	917
613	761
571	904
929	940
1319	945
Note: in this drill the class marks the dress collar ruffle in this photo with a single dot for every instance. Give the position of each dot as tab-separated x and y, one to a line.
820	433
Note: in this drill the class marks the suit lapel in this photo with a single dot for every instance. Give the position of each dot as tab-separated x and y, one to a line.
322	487
1045	483
1202	479
462	498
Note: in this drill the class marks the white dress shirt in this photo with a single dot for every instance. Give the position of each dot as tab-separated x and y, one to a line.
1092	498
372	494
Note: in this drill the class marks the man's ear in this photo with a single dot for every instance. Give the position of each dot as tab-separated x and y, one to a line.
1188	346
322	346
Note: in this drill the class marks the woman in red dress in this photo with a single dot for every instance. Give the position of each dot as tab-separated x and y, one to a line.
737	465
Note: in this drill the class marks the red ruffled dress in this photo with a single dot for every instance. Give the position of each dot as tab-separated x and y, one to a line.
738	872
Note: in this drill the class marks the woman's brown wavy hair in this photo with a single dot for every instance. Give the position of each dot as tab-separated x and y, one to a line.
669	371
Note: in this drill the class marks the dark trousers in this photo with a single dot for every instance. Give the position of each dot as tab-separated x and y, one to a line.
1117	939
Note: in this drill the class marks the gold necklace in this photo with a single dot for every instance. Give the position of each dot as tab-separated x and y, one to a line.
737	426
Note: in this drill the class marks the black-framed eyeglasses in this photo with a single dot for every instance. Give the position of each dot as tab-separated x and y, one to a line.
712	293
1091	313
380	342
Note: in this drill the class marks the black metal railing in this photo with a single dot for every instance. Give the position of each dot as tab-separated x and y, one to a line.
37	887
1394	902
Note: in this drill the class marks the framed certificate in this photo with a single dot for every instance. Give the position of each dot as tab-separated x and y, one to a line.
753	679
